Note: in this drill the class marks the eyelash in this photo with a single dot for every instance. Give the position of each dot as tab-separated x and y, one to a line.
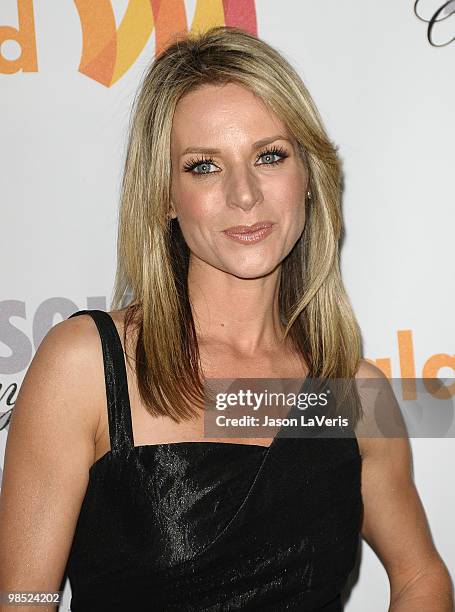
194	163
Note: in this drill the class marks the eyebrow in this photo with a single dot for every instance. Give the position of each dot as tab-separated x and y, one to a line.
256	145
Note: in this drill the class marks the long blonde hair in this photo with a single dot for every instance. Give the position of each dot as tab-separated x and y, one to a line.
153	257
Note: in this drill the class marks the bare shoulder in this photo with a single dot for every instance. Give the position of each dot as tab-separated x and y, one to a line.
73	336
367	369
80	335
71	351
379	407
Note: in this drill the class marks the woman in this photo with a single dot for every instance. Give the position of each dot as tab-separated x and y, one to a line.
140	508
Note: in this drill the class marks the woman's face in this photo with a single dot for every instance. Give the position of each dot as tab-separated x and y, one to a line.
223	176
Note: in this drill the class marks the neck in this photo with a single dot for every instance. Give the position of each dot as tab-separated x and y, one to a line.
242	314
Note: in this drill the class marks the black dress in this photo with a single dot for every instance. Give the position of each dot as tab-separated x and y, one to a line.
219	526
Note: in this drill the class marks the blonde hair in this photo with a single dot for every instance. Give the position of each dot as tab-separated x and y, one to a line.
153	257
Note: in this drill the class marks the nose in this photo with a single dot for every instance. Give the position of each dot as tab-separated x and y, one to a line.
243	189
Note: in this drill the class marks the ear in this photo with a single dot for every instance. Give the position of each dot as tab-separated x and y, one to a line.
172	214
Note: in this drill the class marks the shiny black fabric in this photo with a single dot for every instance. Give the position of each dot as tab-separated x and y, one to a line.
203	526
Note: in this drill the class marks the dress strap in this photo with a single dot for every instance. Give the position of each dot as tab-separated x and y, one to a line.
118	401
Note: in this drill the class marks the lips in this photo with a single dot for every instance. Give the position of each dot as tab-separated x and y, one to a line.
248	229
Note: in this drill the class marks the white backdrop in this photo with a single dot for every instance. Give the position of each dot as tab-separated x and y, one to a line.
387	98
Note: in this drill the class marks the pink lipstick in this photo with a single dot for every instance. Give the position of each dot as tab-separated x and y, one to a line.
249	234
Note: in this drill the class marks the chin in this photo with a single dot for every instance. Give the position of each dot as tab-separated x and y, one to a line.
250	270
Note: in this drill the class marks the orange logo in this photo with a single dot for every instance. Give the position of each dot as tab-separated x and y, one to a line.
109	51
430	369
25	37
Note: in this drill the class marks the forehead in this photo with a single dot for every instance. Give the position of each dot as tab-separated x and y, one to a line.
216	114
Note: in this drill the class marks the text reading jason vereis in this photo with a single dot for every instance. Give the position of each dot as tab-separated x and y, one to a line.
266	421
247	412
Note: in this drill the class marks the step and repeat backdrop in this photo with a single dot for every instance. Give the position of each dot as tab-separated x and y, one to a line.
381	74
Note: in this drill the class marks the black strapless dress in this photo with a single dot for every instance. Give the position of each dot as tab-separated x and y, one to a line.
219	526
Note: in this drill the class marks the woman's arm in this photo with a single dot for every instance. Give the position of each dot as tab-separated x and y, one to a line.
49	449
395	525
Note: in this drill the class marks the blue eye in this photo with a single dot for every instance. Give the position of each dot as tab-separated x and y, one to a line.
278	151
192	164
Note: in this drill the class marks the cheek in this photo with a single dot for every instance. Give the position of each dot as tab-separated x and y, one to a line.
197	215
290	195
194	211
195	203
